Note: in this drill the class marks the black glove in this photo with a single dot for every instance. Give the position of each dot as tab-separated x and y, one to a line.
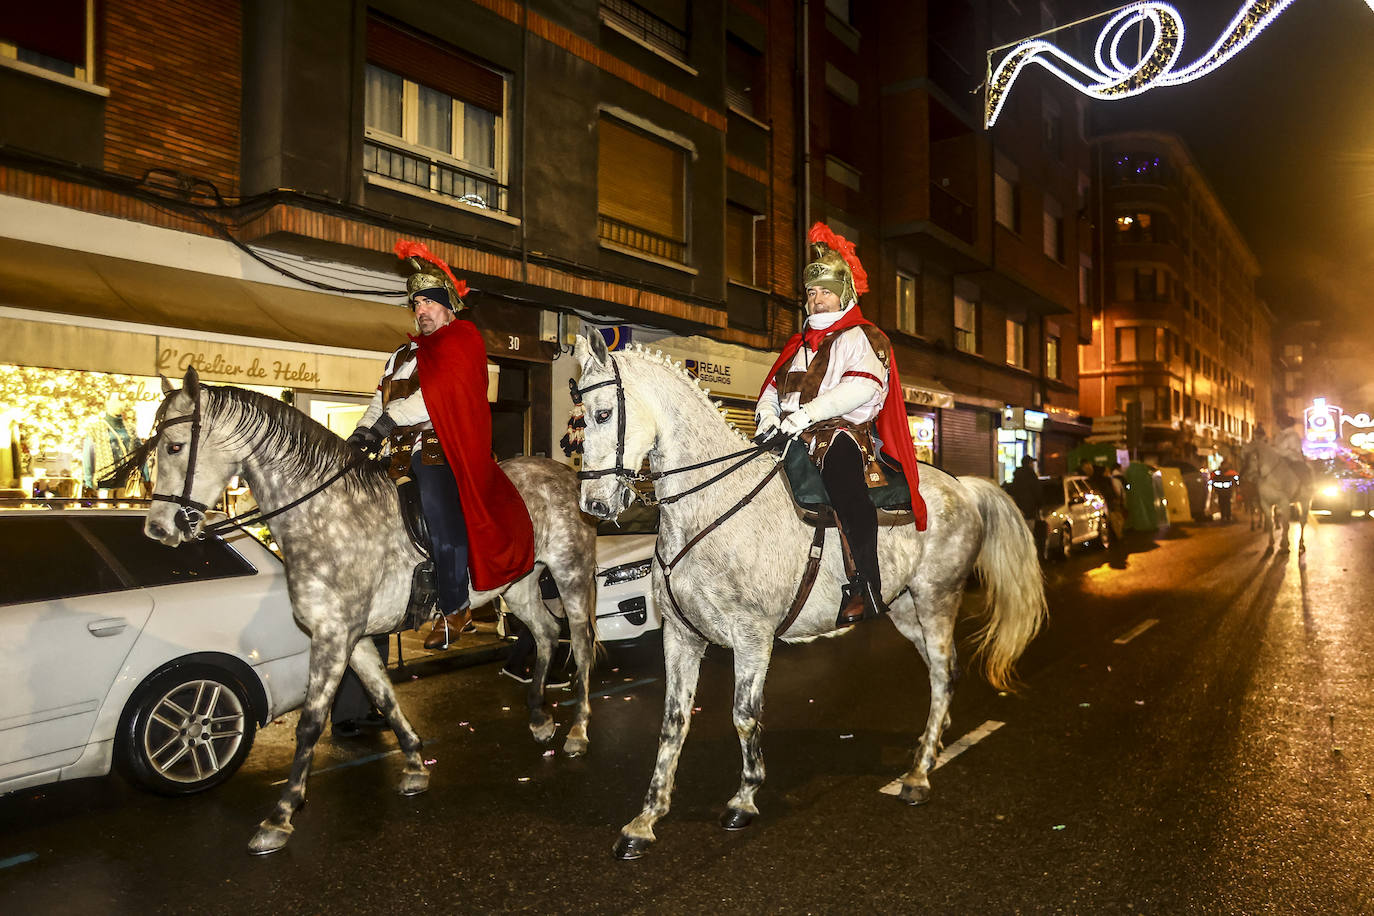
365	439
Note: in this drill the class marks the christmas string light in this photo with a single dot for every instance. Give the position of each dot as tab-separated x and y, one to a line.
1110	77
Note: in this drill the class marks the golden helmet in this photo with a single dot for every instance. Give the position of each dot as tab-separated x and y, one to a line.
431	277
834	265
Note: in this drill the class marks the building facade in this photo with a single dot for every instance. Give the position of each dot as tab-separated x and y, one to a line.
1181	332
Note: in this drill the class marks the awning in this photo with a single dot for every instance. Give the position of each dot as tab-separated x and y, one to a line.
922	392
79	284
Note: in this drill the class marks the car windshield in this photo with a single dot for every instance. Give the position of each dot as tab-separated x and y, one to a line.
638	519
1052	491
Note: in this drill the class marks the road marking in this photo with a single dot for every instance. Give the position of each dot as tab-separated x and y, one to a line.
949	753
1135	631
18	860
360	761
618	688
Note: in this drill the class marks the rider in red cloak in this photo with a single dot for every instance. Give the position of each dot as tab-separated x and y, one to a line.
432	405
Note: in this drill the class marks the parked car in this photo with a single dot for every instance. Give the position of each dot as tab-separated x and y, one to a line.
1072	514
118	650
1197	481
625	608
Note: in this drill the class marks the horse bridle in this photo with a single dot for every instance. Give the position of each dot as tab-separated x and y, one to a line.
190	513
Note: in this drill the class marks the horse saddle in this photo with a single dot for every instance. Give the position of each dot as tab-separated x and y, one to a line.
424	586
809	494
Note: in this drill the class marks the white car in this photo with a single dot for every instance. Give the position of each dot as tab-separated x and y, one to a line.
117	650
1073	513
625	607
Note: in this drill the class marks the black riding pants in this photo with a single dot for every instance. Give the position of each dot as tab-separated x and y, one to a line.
448	533
843	475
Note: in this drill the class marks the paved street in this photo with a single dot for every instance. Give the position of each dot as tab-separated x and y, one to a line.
1194	736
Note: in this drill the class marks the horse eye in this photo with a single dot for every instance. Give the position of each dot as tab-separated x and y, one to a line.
602	416
173	447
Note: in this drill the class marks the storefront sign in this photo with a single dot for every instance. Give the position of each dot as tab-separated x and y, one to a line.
926	397
232	364
710	374
1325	425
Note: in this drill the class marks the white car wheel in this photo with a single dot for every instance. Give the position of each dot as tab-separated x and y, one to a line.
186	730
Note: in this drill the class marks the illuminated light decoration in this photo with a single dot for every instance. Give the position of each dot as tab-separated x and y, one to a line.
1111	78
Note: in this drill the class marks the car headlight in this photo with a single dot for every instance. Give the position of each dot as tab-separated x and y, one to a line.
1331	492
627	573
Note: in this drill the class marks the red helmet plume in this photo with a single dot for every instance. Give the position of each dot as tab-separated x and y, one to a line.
405	248
821	234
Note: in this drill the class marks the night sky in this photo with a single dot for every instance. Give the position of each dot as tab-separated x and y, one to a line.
1285	135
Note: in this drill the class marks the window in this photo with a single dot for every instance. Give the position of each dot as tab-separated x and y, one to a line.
435	119
1085	280
1051	119
1143	344
53	36
965	323
906	303
840	9
641	192
740	243
1007	194
47	559
1151	285
1016	343
149	563
1142	226
744	79
1139	168
1054	230
1154	402
1053	352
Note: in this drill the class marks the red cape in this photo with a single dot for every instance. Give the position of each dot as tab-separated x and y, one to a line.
452	363
891	422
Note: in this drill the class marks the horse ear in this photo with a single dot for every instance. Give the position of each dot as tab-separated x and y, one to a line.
166	385
191	383
591	351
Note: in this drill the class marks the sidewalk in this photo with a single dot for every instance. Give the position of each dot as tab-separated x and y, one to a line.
470	649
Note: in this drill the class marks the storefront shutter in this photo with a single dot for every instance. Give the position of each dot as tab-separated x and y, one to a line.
965	442
640	181
430	64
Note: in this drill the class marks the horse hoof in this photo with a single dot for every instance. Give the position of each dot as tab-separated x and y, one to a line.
544	731
269	839
915	795
631	847
735	819
575	747
414	783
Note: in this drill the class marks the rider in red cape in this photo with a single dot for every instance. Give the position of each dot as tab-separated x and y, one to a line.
836	389
431	406
453	379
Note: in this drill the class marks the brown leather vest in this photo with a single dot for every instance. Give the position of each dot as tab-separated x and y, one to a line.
402	438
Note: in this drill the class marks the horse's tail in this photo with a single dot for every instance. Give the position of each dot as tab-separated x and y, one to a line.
1010	570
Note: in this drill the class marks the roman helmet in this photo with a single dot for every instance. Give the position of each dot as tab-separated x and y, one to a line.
834	265
431	278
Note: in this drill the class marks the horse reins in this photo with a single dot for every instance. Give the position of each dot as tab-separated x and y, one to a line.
628	478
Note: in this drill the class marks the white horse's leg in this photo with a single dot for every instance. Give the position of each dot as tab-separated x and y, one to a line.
578	588
367	665
927	619
682	651
524	598
751	669
328	657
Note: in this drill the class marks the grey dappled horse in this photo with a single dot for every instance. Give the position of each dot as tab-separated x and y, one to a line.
737	583
349	560
1280	484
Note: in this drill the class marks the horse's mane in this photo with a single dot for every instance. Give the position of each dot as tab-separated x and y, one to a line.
284	438
663	360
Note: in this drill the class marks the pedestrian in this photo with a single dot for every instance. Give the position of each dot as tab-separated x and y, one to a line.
1029	496
835	389
441	439
353	710
1225	482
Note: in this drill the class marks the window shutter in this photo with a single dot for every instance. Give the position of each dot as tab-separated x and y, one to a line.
429	64
739	244
640	181
56	28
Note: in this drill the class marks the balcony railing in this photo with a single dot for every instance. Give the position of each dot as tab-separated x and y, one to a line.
428	174
644	25
952	214
630	236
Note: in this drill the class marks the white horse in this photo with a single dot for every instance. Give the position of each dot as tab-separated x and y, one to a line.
1281	483
349	560
735	585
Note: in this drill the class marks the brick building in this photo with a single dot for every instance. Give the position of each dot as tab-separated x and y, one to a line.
1182	331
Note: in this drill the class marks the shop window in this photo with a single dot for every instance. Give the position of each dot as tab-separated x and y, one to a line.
1007	194
435	120
744	77
907	318
1016	343
965	324
741	243
54	36
641	192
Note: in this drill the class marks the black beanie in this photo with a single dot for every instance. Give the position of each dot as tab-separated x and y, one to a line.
437	293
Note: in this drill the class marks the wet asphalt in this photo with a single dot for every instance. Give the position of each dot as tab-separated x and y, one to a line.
1194	736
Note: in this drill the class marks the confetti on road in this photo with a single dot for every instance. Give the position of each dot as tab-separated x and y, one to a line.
505	709
1084	705
527	779
1140	702
1060	827
845	737
431	761
549	753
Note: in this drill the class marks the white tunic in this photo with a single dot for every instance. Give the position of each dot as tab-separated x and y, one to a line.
854	371
407	411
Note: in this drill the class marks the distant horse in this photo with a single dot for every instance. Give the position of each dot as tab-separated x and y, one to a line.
1279	484
349	561
734	586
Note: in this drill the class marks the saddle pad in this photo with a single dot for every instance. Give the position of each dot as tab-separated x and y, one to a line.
808	490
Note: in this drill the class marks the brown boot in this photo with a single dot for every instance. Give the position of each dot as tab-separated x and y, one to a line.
447	628
851	604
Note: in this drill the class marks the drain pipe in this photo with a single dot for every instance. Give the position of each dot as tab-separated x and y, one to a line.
804	55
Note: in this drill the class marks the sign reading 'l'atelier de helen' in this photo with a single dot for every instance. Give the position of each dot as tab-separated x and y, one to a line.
237	364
